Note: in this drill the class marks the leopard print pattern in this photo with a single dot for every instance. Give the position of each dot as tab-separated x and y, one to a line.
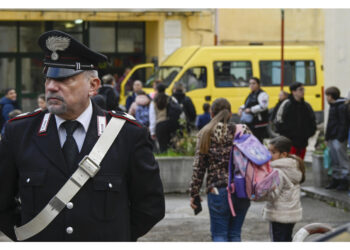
215	162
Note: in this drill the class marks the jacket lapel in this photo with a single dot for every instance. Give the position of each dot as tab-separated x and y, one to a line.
49	145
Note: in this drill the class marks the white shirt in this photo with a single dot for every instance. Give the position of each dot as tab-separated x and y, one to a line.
152	118
80	133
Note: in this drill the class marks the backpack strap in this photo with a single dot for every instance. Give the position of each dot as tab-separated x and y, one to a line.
230	186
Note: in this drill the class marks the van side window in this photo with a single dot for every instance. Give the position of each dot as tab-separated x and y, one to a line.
294	71
194	78
232	73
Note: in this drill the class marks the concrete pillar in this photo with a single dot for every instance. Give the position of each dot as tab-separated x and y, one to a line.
337	51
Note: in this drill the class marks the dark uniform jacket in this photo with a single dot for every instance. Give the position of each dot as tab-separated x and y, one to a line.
121	203
296	121
337	127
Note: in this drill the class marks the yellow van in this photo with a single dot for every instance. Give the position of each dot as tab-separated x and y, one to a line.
223	71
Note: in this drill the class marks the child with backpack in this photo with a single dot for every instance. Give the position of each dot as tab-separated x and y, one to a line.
283	208
213	152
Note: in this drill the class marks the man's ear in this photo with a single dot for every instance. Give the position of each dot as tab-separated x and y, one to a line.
94	86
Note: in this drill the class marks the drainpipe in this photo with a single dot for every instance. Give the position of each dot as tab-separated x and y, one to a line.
216	36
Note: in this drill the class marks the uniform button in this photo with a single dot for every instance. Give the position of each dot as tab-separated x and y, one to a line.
69	205
28	180
69	230
110	185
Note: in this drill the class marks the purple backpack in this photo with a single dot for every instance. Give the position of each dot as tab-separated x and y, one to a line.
252	176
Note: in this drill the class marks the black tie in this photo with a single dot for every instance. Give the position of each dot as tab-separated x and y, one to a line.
70	148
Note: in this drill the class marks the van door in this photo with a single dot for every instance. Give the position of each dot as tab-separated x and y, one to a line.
140	72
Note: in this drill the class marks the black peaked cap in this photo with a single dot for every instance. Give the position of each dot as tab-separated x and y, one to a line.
65	56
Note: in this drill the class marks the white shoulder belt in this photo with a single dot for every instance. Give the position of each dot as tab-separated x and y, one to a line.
88	168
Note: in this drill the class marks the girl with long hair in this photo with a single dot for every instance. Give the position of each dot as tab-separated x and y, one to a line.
212	156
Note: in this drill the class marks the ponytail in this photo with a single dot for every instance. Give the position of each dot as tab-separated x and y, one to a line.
221	111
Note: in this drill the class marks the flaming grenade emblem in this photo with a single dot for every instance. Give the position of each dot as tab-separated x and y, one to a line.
55	43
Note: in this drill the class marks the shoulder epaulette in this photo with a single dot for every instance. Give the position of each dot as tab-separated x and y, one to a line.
125	116
26	115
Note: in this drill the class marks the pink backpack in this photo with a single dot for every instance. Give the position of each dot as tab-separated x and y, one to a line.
253	176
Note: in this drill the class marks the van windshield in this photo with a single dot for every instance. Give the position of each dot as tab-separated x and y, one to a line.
165	74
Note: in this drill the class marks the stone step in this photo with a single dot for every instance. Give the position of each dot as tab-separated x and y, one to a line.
339	199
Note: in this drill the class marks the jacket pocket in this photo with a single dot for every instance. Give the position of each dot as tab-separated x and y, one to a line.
31	184
105	196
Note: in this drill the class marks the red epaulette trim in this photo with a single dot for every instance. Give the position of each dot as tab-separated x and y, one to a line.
19	117
123	117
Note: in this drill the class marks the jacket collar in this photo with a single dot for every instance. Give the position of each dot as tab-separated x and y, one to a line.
49	144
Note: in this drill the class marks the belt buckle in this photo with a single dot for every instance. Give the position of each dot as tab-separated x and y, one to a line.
89	166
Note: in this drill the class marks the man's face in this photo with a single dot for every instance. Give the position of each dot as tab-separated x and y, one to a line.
12	95
299	93
282	96
330	99
137	86
253	85
69	97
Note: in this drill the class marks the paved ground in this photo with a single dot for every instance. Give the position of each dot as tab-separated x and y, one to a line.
180	224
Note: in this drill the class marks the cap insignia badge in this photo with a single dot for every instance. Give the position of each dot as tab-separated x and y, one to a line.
55	43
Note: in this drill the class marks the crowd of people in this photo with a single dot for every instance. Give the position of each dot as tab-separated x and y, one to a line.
127	198
291	117
292	120
295	122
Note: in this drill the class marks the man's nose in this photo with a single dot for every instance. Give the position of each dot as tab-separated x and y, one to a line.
51	84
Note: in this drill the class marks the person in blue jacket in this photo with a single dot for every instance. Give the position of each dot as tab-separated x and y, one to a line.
204	119
7	104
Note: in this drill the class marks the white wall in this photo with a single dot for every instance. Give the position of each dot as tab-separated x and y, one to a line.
337	51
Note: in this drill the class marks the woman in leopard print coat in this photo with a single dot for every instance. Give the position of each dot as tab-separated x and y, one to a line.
212	156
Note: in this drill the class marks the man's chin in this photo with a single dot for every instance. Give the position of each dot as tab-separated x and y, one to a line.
56	109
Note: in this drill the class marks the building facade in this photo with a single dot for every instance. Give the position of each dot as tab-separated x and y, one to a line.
134	36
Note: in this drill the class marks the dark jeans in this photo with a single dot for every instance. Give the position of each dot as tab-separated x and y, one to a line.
281	231
223	226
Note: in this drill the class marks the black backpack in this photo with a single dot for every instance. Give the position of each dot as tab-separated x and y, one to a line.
174	109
